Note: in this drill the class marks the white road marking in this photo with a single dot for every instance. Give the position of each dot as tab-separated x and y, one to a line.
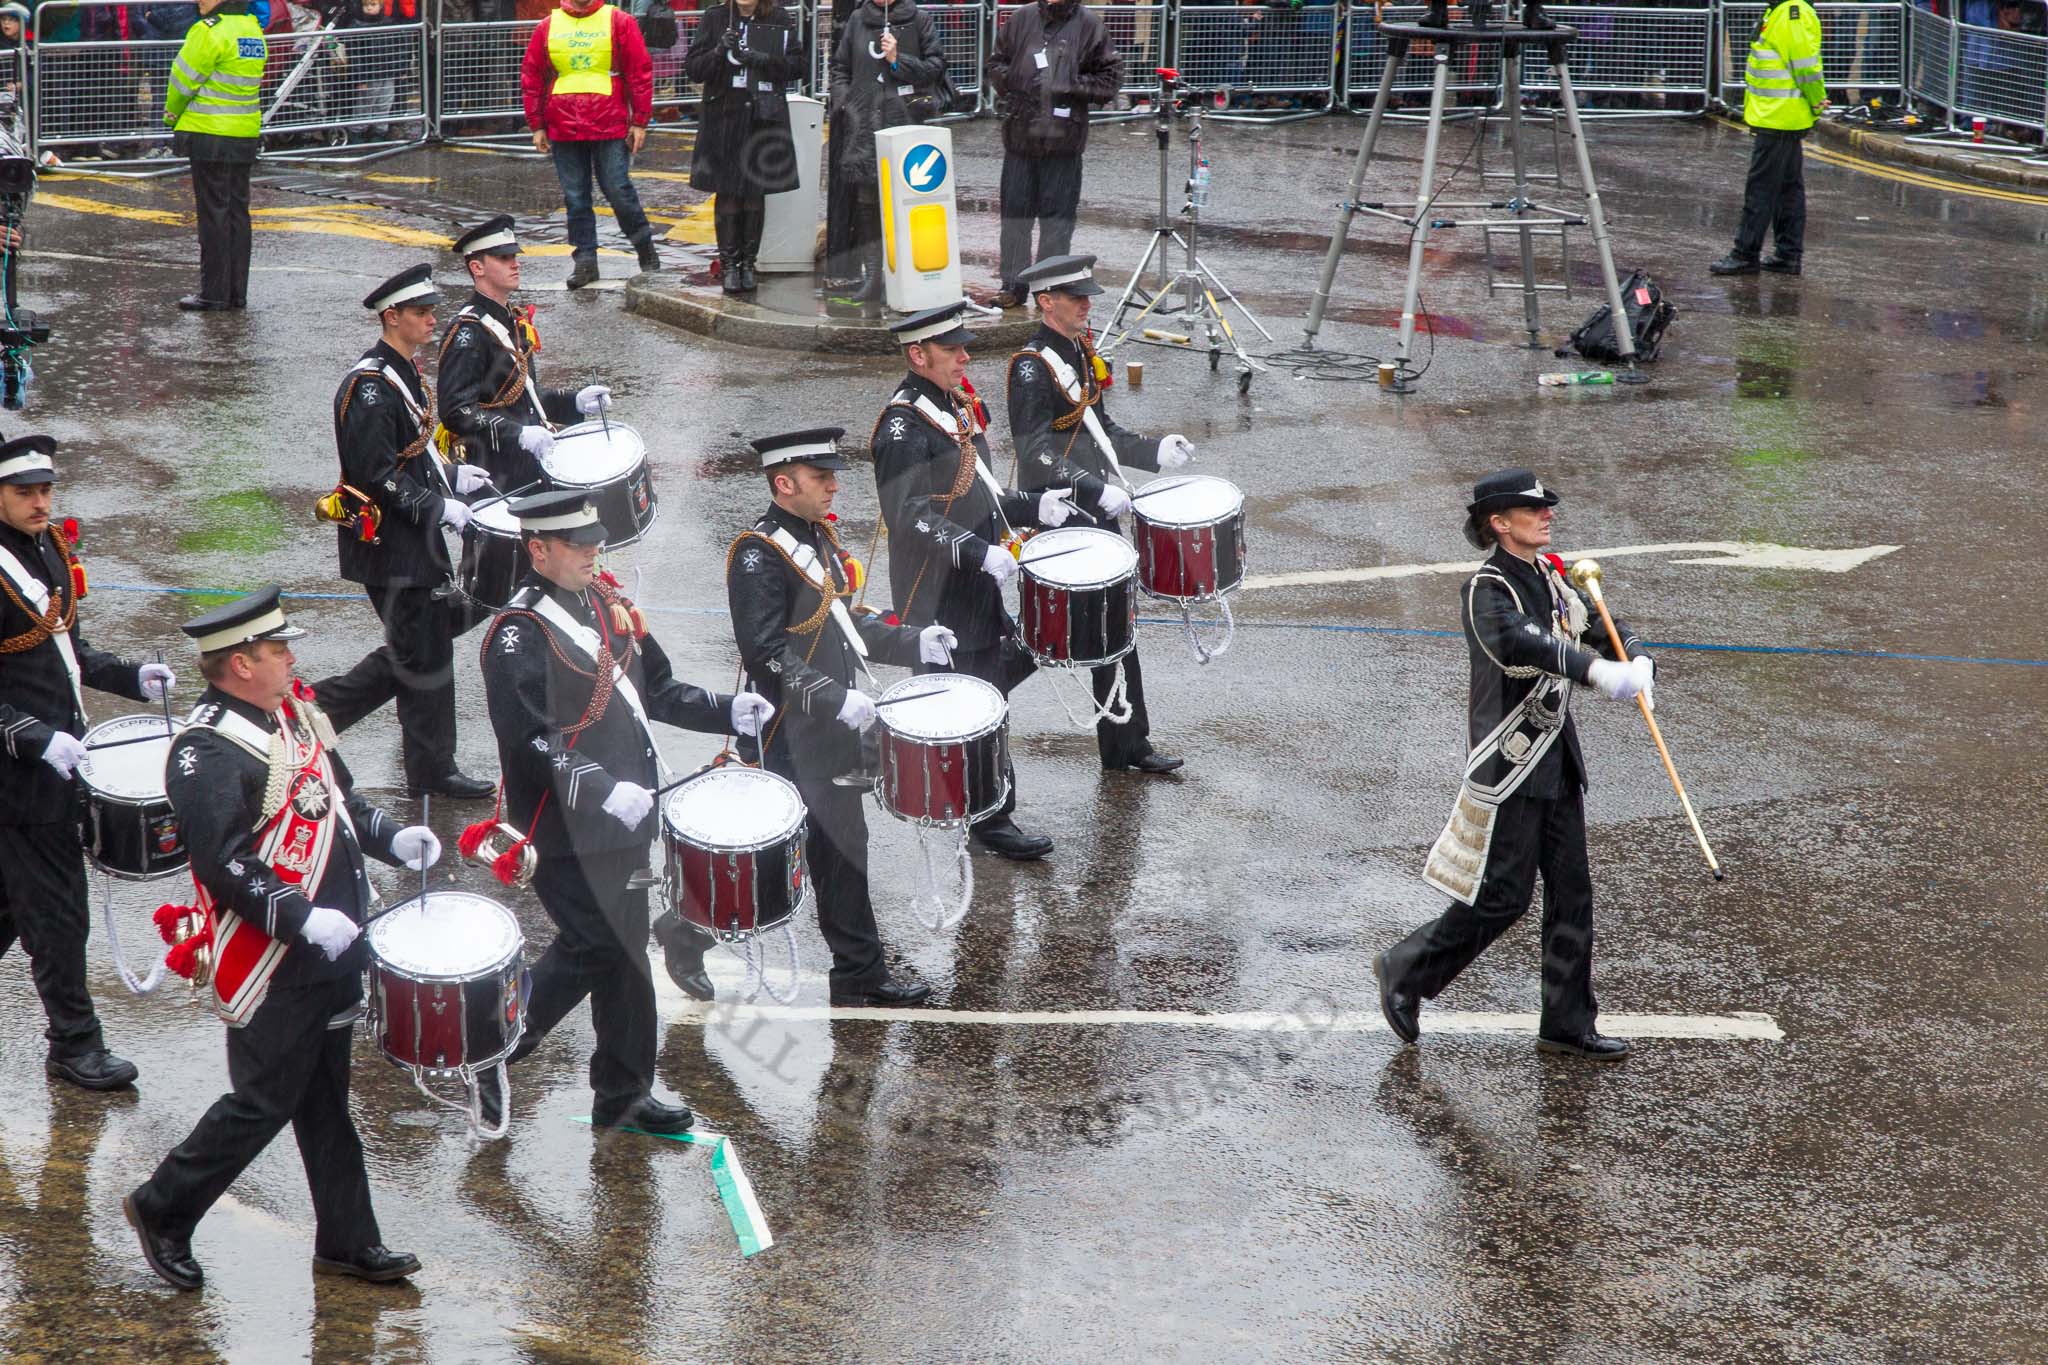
1727	553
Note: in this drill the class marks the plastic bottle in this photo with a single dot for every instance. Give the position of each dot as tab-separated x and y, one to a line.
1198	188
1563	378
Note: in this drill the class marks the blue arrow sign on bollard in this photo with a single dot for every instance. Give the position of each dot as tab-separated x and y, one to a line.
924	169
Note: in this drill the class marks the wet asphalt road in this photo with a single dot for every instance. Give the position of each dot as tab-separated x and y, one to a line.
1867	1188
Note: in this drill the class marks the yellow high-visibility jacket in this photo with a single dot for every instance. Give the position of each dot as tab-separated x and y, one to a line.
216	83
1782	84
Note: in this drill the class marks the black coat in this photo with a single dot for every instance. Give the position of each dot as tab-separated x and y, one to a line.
373	425
35	691
1046	457
744	148
1082	68
539	684
867	94
474	369
216	787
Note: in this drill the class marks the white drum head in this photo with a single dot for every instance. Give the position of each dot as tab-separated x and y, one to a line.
961	707
451	935
734	807
133	772
593	453
494	518
1089	557
1189	500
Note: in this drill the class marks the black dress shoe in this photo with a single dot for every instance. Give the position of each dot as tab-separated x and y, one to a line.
192	303
1148	763
100	1070
1399	1007
457	784
682	953
1732	264
1780	265
1008	299
888	991
1592	1046
649	1115
1003	836
373	1263
169	1257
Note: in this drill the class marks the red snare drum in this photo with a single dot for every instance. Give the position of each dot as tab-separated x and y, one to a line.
1076	608
734	839
446	989
945	757
1190	537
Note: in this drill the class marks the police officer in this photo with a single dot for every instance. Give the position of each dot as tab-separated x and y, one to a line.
491	396
213	106
574	680
790	585
1522	807
384	427
951	524
277	833
44	662
1063	431
1783	92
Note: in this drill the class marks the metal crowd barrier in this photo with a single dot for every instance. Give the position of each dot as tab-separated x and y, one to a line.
1931	49
963	37
1477	68
1270	49
1657	55
100	94
673	89
1138	32
476	74
1862	47
367	84
2000	75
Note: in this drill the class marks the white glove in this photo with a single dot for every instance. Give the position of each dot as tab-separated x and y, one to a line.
750	713
935	645
1175	451
156	681
629	804
330	931
536	441
1053	507
1617	682
999	564
592	399
1114	502
469	478
857	712
64	753
454	515
1646	675
416	847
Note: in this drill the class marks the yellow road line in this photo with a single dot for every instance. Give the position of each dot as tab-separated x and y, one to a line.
1884	171
383	179
163	217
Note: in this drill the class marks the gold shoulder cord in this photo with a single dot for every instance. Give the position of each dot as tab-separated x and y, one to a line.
49	621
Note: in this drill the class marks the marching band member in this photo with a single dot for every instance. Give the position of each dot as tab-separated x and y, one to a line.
1521	809
950	523
276	832
1063	430
574	679
491	394
397	493
44	663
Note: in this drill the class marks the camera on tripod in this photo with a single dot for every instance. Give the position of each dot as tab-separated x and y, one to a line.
19	328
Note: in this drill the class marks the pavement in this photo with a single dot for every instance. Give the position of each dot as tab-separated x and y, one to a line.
1151	1113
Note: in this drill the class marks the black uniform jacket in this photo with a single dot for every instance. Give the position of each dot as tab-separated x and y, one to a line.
744	147
475	368
937	542
867	93
1082	68
1499	636
216	787
35	691
806	676
539	683
373	426
1046	457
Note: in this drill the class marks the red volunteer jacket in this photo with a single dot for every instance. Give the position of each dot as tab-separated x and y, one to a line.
590	118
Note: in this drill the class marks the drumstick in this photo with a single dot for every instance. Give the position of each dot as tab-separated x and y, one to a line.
913	696
601	420
426	806
132	739
166	697
1151	488
1040	559
520	491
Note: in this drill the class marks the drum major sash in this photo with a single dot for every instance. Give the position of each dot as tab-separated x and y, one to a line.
586	640
819	577
946	422
1070	384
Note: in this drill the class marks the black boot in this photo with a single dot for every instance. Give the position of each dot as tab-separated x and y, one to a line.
753	221
1534	18
1438	15
727	222
583	270
650	259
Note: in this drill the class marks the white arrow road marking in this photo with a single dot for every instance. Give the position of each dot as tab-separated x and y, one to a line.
1748	554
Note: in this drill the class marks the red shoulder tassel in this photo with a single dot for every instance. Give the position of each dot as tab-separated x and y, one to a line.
505	867
167	917
183	958
1555	562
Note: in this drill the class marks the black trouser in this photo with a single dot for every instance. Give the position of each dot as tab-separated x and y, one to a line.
220	191
1131	741
1045	190
288	1064
43	899
842	221
416	666
1529	836
1005	665
1774	196
836	847
600	950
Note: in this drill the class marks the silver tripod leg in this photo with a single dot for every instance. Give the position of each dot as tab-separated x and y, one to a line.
1511	68
1397	49
1418	235
1624	340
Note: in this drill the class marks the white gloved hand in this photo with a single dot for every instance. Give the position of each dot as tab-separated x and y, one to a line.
330	931
156	681
999	564
416	847
1174	451
935	645
1617	682
469	478
1053	507
592	399
536	441
1646	677
64	753
857	712
629	803
454	515
750	713
1114	502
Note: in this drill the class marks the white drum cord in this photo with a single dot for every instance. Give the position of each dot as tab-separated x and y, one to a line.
754	956
1116	710
140	985
1204	652
946	911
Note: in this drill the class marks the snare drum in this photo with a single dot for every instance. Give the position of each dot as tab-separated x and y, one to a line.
447	982
609	461
1077	606
1190	537
131	831
734	843
493	556
945	757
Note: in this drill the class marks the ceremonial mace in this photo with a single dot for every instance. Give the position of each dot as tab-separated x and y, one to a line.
1585	575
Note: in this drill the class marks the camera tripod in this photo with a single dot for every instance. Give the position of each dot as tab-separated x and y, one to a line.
1196	285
